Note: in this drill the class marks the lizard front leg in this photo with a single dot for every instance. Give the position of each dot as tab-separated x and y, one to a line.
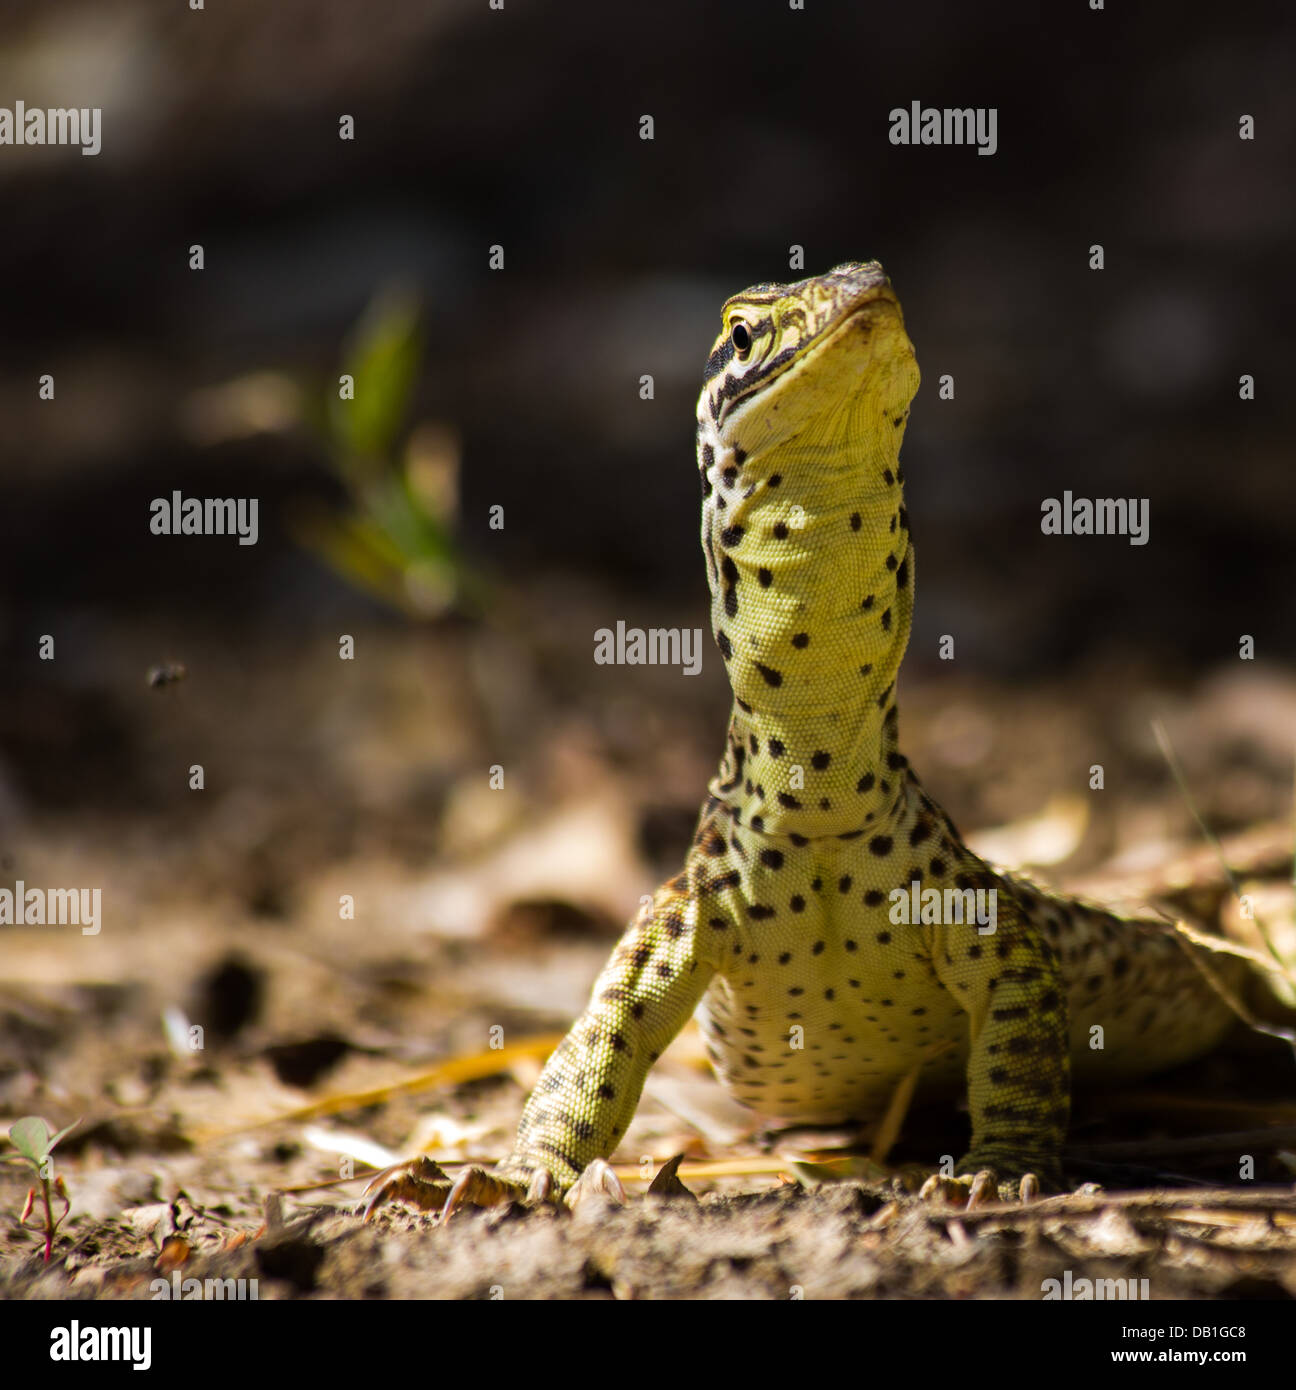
589	1088
1019	1071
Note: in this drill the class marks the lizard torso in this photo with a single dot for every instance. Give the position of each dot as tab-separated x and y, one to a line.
818	1001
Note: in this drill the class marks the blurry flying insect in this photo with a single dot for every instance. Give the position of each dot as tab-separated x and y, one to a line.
170	674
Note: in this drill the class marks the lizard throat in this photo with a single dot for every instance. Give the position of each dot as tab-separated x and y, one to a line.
812	575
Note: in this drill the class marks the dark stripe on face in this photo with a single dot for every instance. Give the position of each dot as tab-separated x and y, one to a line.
737	388
718	360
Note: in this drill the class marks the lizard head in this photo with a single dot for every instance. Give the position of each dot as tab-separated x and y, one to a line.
823	361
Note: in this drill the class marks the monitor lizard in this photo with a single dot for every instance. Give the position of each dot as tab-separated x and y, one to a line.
815	1000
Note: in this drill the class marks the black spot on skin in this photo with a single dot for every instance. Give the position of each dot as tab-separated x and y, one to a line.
708	456
774	480
866	604
785	957
725	645
974	952
820	760
890	560
937	867
856	523
874	897
888	477
776	747
758	912
880	845
825	804
798	903
865	783
886	621
739	456
850	944
799	840
801	640
788	801
866	669
731	535
844	884
758	822
729	570
769	674
922	831
730	476
895	761
606	1092
765	577
780	531
904	517
717	923
772	858
884	938
731	602
902	574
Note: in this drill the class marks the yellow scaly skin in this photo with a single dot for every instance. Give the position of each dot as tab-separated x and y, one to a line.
816	1003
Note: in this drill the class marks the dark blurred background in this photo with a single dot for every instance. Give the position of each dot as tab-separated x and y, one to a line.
521	127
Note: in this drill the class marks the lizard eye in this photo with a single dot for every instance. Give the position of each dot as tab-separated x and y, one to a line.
741	337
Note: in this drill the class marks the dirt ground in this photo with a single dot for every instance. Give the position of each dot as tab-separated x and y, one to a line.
331	1042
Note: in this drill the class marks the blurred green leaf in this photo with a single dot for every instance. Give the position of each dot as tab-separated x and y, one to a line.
382	358
31	1137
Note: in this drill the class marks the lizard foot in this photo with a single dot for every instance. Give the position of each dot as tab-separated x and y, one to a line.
980	1184
423	1184
420	1182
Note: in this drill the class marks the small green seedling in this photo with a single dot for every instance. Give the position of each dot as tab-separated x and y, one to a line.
35	1144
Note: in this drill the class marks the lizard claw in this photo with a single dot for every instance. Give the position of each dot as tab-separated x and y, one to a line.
420	1182
981	1187
479	1188
424	1184
597	1179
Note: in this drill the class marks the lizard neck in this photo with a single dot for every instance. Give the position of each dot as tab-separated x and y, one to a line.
812	575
